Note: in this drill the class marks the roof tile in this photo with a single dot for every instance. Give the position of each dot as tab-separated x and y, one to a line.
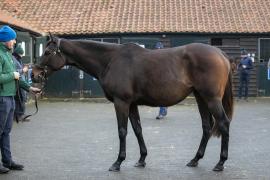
7	19
132	16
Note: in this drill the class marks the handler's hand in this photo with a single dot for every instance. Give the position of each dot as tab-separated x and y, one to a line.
25	69
16	75
35	90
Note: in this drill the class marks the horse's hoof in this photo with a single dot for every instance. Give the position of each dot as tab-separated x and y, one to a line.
140	164
192	163
218	168
114	168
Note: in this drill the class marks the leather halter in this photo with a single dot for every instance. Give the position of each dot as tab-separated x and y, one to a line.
52	53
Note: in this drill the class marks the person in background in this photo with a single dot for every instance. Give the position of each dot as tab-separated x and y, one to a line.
162	110
8	78
21	96
244	69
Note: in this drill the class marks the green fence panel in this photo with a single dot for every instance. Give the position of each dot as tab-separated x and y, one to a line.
263	82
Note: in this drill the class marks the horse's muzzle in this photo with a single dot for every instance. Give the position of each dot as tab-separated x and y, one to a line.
38	78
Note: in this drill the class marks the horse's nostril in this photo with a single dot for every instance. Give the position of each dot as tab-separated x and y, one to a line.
42	73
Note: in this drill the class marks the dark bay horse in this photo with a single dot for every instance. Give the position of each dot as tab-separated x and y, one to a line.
131	75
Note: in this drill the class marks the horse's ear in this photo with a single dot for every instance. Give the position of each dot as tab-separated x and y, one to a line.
51	37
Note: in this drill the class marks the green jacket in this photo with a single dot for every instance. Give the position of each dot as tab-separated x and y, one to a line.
7	67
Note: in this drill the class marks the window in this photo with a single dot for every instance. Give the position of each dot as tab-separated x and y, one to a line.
110	40
216	42
264	49
40	50
229	42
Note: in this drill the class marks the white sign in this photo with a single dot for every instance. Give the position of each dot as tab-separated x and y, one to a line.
81	74
40	49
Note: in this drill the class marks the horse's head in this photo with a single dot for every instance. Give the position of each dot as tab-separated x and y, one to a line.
51	60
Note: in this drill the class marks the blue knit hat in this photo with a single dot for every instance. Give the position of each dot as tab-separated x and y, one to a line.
244	52
7	34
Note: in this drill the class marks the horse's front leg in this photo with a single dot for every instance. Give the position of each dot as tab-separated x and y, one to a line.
136	125
122	111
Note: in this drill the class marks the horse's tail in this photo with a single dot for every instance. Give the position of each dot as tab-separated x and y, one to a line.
227	102
232	61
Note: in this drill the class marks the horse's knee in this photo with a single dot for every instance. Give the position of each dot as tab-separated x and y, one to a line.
122	133
138	131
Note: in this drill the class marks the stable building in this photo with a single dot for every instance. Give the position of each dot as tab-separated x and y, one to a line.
229	25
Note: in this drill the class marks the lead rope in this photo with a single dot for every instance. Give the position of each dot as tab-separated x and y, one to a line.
20	100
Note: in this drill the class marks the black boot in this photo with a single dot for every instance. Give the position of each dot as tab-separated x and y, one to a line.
3	169
14	166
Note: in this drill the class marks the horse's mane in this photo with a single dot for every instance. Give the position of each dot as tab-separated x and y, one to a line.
102	45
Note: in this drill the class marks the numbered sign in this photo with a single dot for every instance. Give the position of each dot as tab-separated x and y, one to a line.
81	74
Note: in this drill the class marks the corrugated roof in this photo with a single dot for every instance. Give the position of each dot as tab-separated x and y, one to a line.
142	16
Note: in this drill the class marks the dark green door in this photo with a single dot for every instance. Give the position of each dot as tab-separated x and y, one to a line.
91	87
264	58
63	83
263	82
180	41
26	42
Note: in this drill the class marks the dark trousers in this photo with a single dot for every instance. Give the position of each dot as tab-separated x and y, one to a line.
20	100
7	106
244	81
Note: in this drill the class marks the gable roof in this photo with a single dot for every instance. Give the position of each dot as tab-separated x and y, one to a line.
142	16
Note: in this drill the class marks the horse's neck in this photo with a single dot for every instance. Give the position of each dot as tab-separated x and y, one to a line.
92	57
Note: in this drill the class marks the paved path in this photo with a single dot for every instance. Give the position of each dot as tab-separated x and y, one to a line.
73	140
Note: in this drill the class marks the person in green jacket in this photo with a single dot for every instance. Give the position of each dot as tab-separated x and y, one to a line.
8	78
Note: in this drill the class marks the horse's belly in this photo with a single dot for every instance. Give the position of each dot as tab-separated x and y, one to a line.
165	96
157	102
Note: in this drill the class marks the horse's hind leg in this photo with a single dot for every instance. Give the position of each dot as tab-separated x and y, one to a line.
136	125
207	124
223	125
